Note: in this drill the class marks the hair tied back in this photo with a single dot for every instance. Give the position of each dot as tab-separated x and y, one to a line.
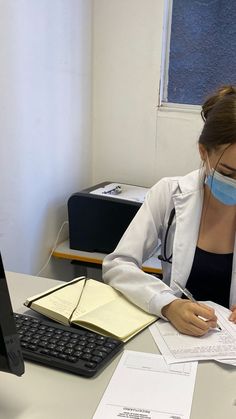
210	102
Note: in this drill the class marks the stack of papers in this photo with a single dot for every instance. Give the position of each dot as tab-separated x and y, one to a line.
144	386
217	345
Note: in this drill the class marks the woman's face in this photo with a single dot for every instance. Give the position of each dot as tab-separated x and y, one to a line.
223	159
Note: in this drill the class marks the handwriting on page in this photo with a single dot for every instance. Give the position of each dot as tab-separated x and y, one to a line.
58	304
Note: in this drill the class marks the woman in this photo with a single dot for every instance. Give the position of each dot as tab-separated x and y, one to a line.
200	244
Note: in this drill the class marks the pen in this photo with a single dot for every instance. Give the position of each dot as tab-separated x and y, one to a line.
191	298
114	191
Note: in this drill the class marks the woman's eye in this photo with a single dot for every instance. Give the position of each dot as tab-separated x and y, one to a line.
230	175
226	174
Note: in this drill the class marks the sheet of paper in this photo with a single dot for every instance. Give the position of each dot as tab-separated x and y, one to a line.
127	192
227	361
143	386
176	347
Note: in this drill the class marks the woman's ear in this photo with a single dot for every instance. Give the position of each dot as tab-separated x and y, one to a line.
202	152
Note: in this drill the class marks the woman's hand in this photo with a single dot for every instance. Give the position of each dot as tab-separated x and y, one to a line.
232	316
185	317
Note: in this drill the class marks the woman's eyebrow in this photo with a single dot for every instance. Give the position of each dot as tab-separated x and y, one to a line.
233	169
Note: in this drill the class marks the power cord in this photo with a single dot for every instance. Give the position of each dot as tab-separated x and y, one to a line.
53	248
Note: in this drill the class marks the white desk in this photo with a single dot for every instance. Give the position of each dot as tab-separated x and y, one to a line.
63	251
44	393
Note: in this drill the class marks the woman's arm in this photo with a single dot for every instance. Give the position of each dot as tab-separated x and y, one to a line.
122	268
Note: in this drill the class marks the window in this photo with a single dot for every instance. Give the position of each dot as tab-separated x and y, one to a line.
200	49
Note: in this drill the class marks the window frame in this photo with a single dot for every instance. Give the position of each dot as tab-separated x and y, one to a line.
163	103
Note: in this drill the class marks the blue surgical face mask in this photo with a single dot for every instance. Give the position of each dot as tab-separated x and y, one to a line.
222	187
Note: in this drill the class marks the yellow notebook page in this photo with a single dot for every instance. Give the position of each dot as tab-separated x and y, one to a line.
118	317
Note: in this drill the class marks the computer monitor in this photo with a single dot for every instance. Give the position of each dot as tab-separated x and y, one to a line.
11	359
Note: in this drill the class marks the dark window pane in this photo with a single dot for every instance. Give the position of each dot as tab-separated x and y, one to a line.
202	49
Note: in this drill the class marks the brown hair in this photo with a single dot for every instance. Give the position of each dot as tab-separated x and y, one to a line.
219	115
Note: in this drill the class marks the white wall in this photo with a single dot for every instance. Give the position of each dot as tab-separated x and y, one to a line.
45	122
132	142
45	113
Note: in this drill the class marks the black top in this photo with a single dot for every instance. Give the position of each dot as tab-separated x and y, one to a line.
210	277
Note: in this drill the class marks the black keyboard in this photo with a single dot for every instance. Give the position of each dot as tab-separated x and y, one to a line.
72	349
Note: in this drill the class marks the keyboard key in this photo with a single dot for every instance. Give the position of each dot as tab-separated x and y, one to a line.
86	357
78	353
54	353
62	356
72	358
32	347
96	359
99	353
68	351
90	364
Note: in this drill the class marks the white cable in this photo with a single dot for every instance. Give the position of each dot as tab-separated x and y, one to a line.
53	248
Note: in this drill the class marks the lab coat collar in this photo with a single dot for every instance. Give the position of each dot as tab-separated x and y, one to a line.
191	182
188	207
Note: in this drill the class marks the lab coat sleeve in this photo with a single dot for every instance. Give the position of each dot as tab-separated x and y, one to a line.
122	268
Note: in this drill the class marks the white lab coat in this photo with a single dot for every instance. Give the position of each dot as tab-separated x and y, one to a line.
121	269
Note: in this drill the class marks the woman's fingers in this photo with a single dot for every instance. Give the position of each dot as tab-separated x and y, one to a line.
207	313
232	316
190	318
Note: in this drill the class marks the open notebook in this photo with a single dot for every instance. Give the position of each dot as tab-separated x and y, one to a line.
93	305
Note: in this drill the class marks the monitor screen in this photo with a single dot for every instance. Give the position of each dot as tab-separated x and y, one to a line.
11	359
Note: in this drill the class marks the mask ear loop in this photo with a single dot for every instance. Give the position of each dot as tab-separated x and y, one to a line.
213	169
208	163
211	174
